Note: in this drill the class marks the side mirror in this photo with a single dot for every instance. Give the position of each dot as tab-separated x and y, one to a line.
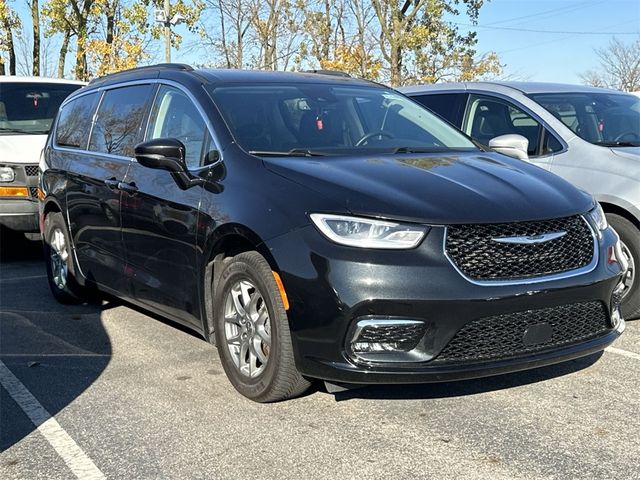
512	145
163	154
167	154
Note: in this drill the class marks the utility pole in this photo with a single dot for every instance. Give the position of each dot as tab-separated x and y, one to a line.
164	17
167	32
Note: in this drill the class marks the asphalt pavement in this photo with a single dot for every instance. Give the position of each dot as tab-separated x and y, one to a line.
117	393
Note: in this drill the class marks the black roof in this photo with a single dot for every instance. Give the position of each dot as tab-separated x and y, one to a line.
214	76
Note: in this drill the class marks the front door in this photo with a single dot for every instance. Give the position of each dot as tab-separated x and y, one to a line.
160	219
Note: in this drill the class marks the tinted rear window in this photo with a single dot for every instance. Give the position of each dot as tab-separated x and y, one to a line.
117	127
29	108
75	120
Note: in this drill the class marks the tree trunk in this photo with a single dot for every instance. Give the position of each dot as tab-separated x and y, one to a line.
111	26
64	48
10	46
35	17
2	72
81	52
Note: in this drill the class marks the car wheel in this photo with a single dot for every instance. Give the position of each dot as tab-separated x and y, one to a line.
252	331
630	240
59	263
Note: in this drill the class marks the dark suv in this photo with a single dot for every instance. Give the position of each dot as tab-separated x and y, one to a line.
317	226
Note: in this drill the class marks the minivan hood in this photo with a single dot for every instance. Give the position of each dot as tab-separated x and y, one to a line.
476	187
21	148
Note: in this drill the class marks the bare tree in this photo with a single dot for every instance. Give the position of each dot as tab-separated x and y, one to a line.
234	20
35	18
619	66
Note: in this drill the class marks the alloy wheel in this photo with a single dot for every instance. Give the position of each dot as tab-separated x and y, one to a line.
59	255
247	328
630	274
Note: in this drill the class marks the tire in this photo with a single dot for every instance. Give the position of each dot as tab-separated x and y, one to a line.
59	262
249	314
630	239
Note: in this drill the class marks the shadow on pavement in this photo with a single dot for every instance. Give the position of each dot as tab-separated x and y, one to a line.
57	351
467	387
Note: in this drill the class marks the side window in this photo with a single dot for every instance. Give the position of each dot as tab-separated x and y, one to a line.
489	117
175	116
550	144
117	126
74	123
449	106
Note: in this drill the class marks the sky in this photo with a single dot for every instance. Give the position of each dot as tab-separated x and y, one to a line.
507	27
537	40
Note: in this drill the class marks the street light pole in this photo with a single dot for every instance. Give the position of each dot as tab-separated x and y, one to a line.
167	32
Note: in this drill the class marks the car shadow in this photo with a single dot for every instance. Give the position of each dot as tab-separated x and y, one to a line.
56	351
461	388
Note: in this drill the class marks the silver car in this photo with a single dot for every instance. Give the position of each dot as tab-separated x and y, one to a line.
590	136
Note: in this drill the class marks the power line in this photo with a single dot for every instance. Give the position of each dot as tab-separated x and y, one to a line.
514	29
564	10
555	40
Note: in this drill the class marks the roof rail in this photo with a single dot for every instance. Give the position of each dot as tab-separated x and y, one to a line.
161	66
335	73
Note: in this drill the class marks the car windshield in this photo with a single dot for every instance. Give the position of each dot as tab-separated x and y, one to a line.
609	119
328	119
29	108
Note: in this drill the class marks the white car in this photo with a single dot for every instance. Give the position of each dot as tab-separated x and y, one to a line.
590	136
28	105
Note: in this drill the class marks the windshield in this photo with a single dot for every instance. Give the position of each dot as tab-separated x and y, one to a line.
324	119
29	108
609	119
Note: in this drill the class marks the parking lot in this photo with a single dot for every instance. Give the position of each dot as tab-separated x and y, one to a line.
133	396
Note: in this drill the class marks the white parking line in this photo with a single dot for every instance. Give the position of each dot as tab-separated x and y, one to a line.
75	458
624	353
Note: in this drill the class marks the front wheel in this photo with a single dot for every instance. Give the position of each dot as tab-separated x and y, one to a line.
630	242
252	331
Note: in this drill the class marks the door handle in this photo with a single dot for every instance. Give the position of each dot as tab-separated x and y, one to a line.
130	188
112	183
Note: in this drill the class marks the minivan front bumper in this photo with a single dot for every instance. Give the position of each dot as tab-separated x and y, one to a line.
331	288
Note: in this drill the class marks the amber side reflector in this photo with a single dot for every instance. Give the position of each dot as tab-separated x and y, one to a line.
283	294
40	194
14	192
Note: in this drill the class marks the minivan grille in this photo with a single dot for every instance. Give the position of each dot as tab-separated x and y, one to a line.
502	336
475	251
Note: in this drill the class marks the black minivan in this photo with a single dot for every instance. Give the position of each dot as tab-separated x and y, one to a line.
321	227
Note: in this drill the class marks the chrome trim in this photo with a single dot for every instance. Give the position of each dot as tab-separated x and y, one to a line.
523	281
531	239
417	355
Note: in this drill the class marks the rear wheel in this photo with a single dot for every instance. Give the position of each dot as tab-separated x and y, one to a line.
630	240
252	332
60	270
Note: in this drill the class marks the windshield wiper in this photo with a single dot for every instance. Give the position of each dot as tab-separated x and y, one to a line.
294	152
617	144
420	149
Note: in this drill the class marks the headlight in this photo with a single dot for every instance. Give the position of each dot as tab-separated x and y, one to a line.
368	233
7	174
598	218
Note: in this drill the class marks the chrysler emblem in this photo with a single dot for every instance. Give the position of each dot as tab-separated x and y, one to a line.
528	240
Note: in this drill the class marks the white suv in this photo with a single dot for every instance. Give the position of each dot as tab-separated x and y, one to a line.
28	105
590	136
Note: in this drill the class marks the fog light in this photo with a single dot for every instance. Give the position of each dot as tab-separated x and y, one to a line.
388	340
7	174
